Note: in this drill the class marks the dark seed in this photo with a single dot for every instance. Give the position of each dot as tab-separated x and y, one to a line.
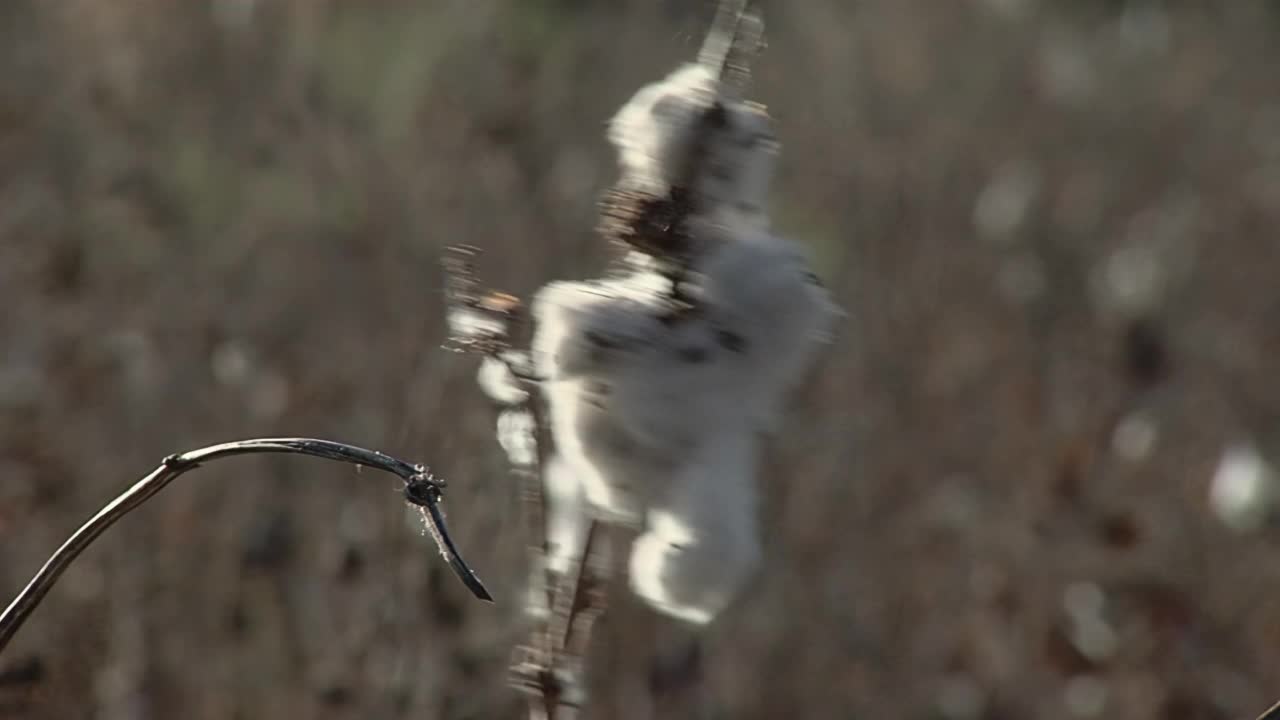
717	117
599	340
732	341
693	355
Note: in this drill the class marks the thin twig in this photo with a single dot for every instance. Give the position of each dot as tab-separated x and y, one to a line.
1272	713
537	676
589	596
421	489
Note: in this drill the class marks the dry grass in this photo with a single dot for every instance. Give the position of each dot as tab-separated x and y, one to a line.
1053	225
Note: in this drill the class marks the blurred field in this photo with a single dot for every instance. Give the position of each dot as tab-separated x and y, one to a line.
1053	224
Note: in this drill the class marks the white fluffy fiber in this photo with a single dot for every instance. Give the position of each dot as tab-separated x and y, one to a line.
658	413
654	136
701	542
653	132
659	420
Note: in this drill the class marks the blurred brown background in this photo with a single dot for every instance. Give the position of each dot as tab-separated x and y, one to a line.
1053	224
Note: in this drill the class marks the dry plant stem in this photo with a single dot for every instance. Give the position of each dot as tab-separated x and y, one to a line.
731	45
553	660
421	489
533	665
586	594
559	646
552	667
1272	713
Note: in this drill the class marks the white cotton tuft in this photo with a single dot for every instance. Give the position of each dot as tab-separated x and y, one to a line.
701	543
655	132
657	411
658	396
517	434
586	328
740	162
588	333
764	299
498	382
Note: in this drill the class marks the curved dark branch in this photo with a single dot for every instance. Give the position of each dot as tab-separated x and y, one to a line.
421	489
